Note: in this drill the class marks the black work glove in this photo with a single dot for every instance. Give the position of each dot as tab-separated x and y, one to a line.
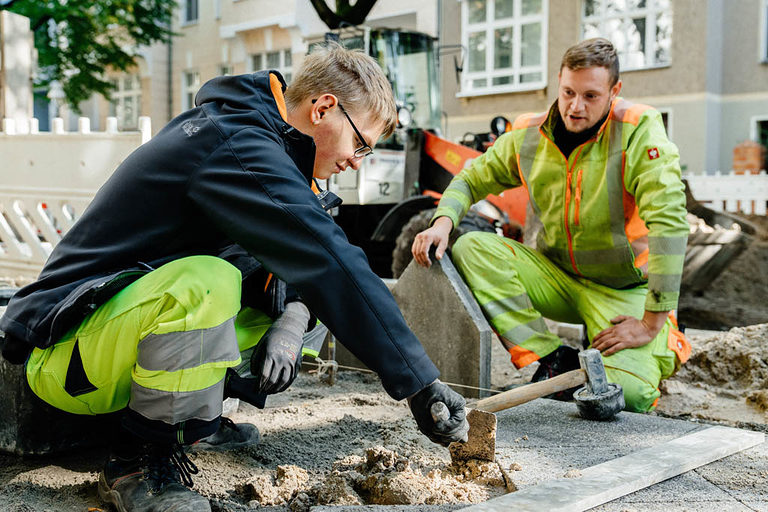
243	388
14	350
442	425
277	358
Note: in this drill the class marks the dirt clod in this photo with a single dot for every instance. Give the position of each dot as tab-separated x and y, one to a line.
278	490
759	400
572	473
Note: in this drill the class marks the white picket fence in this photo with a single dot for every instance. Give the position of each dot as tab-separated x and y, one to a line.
746	193
47	179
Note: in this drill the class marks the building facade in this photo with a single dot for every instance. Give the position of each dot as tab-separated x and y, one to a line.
702	63
220	37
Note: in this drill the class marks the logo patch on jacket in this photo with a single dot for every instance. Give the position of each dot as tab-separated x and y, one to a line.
653	153
190	128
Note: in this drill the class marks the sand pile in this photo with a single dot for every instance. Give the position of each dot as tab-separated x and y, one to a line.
726	379
382	477
736	360
737	297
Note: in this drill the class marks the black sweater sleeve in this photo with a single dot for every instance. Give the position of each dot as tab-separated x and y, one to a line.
252	190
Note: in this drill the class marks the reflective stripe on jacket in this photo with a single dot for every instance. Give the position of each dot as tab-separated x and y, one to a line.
612	212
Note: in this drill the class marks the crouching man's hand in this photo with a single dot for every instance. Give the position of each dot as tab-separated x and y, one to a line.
440	427
277	358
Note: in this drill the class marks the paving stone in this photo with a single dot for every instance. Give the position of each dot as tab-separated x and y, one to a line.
441	311
29	426
482	438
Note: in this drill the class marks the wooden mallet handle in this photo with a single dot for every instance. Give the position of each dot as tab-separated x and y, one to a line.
523	394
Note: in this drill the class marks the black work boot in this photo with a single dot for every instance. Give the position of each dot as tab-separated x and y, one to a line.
563	359
230	436
157	479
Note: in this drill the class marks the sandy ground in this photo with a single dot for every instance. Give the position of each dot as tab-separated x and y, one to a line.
351	444
343	444
725	381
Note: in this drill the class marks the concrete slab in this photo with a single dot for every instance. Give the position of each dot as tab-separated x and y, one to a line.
592	486
461	347
545	440
444	315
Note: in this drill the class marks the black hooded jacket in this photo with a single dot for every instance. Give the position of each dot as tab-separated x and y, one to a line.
229	171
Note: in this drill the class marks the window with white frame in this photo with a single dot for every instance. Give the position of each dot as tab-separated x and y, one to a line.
191	10
641	30
280	60
226	70
506	43
190	84
126	102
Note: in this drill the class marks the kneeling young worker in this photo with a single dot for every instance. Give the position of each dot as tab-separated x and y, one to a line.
604	180
148	301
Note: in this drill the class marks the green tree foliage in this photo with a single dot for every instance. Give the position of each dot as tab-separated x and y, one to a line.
77	40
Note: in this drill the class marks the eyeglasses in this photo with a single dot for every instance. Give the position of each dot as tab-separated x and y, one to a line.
364	149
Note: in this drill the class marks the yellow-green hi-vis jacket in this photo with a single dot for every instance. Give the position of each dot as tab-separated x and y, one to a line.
612	212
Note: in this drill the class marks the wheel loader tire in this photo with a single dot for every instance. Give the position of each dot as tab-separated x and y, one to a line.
401	255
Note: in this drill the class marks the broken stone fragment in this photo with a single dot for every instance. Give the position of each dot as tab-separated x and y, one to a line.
482	439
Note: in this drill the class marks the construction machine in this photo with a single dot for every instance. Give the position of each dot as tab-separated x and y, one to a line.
393	195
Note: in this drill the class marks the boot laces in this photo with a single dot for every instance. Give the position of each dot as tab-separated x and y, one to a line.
167	465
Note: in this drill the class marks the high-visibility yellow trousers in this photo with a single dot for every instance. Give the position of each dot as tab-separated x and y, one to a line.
160	347
517	286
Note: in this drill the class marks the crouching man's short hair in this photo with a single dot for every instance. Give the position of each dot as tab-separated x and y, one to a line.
352	76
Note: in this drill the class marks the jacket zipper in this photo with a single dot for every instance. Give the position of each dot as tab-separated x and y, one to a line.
567	212
568	196
567	199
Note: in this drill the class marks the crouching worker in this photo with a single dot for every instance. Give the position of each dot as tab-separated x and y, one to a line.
604	180
145	304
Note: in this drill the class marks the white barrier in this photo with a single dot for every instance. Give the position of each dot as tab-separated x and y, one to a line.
47	179
747	193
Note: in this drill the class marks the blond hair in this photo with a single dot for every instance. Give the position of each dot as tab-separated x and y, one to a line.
350	75
591	53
